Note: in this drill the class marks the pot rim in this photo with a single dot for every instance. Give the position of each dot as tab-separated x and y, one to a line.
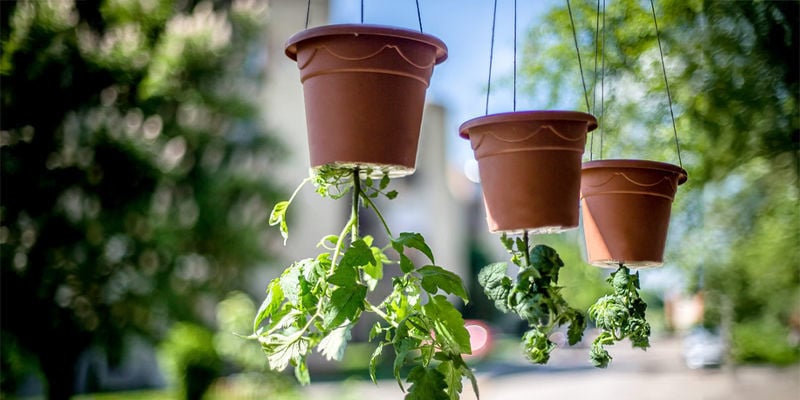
683	176
522	116
365	29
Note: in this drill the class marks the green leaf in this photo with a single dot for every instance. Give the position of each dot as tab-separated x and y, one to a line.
358	254
447	324
537	346
278	216
576	328
290	283
403	344
413	241
374	271
281	349
328	242
496	284
384	182
270	304
435	277
373	362
391	195
452	377
301	371
426	384
345	303
406	265
344	276
333	345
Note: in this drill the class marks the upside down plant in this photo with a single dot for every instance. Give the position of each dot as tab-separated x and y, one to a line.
619	315
316	301
534	296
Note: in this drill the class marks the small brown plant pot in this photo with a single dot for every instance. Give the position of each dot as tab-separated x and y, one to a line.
364	88
626	206
530	168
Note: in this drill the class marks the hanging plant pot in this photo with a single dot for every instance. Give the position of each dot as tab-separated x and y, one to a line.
530	167
364	88
626	207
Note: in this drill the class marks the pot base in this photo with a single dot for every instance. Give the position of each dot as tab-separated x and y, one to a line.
541	230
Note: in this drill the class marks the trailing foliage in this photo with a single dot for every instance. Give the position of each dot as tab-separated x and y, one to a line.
535	296
316	302
620	315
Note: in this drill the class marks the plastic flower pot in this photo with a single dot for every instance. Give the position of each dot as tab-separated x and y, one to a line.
626	207
364	89
530	168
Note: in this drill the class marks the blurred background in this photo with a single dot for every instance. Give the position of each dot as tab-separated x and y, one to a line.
143	142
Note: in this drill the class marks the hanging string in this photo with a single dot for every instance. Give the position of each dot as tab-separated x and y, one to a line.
603	82
419	17
362	11
594	85
515	56
491	57
666	84
578	50
308	12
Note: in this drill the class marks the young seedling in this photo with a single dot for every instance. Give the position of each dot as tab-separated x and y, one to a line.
534	296
316	301
619	315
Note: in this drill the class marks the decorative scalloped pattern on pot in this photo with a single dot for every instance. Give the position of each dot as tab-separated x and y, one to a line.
529	165
626	207
364	89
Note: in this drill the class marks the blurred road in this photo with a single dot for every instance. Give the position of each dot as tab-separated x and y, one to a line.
659	373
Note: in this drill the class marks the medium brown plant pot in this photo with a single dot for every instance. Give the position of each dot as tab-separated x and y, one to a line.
626	207
530	168
364	88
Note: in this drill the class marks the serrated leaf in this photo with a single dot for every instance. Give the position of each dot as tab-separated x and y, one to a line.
301	371
447	324
496	284
345	303
452	377
576	328
344	276
406	265
334	344
413	241
270	304
290	283
281	349
374	271
402	346
426	384
358	254
278	216
435	277
373	362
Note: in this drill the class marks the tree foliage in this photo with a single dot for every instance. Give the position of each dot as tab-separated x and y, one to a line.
733	70
134	171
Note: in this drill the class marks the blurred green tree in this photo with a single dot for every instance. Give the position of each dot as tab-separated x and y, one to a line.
135	172
733	68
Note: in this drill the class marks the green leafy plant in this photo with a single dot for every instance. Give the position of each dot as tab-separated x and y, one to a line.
619	315
534	296
316	301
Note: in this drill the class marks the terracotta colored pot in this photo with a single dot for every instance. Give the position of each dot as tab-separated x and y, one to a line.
530	167
364	88
626	207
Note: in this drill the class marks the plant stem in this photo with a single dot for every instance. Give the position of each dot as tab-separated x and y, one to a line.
527	250
356	197
372	205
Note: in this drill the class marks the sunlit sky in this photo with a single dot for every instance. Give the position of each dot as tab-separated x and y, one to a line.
465	26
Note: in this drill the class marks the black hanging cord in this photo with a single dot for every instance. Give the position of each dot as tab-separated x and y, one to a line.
594	85
515	56
308	12
491	56
362	11
419	17
580	63
666	84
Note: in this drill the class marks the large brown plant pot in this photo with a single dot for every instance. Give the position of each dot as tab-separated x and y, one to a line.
626	208
530	168
364	88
